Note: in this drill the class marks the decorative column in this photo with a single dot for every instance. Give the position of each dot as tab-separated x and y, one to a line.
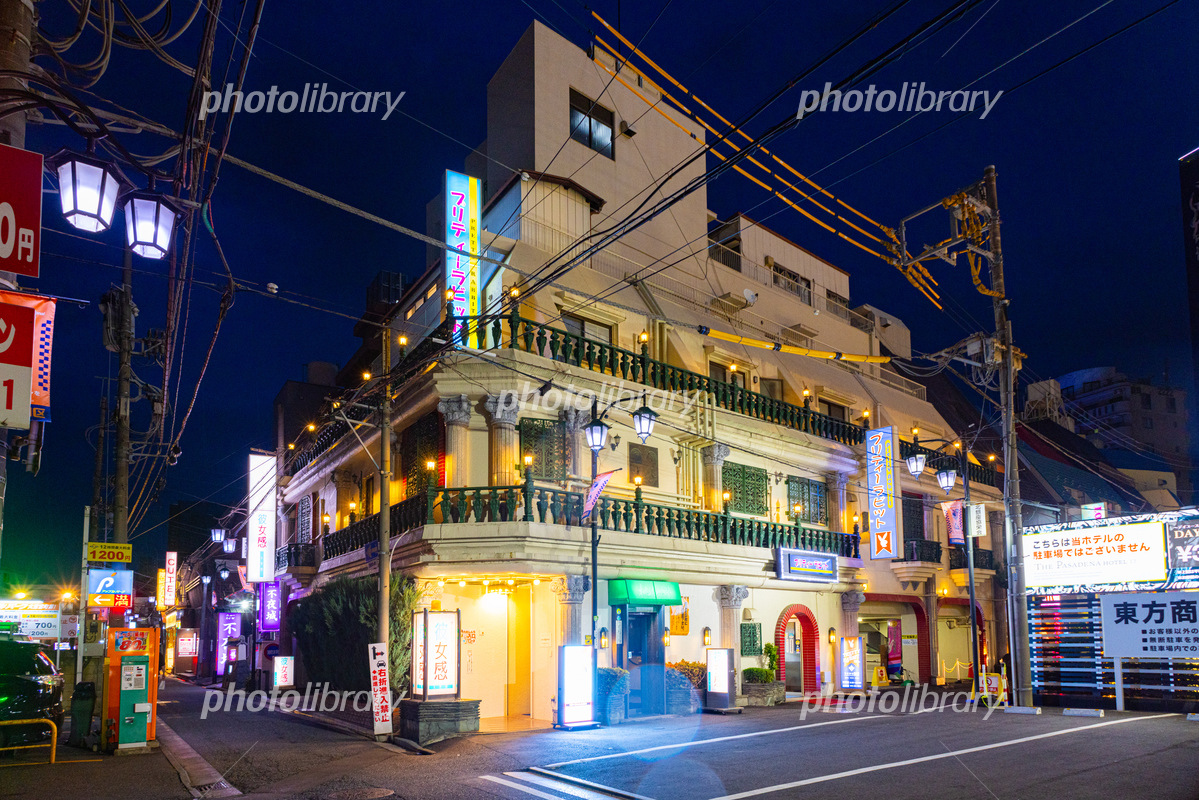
731	596
346	488
571	591
714	456
851	604
576	419
931	604
503	458
456	413
836	483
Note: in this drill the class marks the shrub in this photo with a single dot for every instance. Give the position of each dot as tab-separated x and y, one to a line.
771	651
757	675
695	673
611	681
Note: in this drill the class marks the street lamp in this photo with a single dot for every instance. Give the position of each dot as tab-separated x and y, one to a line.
643	421
218	534
229	546
150	218
88	187
596	432
916	463
947	478
205	579
224	573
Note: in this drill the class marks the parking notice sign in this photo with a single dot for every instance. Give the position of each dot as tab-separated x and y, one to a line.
16	365
20	211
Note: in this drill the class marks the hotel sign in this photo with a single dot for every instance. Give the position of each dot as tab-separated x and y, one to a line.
881	451
463	226
802	565
260	532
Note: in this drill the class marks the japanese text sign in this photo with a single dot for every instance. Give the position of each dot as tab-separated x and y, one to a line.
801	565
269	611
16	364
171	586
260	528
107	551
463	225
160	589
851	662
43	347
285	671
380	687
20	211
435	653
1134	552
1150	625
228	627
881	491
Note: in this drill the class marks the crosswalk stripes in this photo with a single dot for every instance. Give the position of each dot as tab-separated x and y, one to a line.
547	786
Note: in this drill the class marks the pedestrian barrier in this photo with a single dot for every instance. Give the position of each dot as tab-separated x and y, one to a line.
53	745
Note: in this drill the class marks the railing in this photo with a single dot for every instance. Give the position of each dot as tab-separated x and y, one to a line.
978	473
983	559
924	550
296	554
405	516
534	337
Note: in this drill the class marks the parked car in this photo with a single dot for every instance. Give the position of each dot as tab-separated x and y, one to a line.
30	688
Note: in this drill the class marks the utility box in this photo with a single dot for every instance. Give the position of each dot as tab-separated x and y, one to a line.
130	688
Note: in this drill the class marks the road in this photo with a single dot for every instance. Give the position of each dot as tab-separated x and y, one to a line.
767	752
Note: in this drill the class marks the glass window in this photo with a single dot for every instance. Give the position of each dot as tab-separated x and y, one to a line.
772	388
834	410
591	124
595	331
545	440
794	283
643	461
810	496
717	372
747	487
913	517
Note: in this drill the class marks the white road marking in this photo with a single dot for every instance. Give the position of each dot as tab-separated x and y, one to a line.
518	787
713	741
864	770
561	786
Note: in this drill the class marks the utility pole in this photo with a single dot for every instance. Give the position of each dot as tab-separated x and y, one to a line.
1018	606
98	468
385	496
125	314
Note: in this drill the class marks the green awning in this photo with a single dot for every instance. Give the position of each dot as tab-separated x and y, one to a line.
643	593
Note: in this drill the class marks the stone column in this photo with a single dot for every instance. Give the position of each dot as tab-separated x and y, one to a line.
714	456
576	446
836	483
731	596
572	591
456	412
931	602
503	458
851	605
346	488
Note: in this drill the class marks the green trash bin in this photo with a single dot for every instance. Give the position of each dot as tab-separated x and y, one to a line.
83	708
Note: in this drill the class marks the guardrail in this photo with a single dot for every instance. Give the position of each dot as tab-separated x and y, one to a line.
53	744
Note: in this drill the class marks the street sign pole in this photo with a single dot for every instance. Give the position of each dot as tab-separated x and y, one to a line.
87	518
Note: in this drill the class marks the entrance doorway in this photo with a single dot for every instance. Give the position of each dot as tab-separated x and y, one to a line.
793	657
645	658
797	662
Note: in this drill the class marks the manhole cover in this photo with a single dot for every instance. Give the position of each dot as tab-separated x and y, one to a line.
369	793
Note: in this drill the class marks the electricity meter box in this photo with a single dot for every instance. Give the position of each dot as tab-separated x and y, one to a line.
130	688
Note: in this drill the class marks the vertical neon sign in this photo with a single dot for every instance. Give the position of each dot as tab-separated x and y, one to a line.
880	491
463	223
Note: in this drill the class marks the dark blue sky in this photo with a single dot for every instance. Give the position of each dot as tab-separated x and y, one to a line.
1088	181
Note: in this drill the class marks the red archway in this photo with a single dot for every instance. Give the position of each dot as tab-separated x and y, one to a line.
925	657
808	644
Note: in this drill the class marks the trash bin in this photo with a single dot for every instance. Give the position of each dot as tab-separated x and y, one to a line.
83	707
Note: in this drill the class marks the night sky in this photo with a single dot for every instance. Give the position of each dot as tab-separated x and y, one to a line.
1088	186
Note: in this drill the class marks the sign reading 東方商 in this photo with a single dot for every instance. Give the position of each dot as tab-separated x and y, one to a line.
802	565
463	224
1150	625
880	492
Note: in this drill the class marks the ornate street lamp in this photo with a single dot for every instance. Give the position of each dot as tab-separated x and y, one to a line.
224	573
205	579
916	464
597	434
150	218
947	478
218	534
88	188
643	421
229	545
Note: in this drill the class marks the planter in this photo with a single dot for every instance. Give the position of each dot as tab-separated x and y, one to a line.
682	701
765	694
610	709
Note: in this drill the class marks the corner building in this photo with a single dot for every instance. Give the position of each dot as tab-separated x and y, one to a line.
754	449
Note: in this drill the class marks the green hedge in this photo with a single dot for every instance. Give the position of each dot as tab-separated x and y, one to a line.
691	674
334	626
756	675
611	680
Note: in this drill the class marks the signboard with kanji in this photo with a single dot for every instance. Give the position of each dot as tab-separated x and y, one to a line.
107	551
16	365
881	491
1150	625
260	530
270	611
285	673
228	627
435	666
33	618
1131	553
20	211
380	687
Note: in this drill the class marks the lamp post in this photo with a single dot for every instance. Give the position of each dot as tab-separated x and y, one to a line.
204	581
946	478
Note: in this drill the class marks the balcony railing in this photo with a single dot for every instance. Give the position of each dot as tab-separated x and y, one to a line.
978	473
527	502
924	550
983	559
534	337
295	555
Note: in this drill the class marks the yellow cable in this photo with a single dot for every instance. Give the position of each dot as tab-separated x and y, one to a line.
786	348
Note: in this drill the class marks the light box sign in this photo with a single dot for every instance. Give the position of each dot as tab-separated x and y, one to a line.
1129	553
463	223
721	681
187	643
38	620
171	585
1150	625
285	671
228	627
435	663
260	563
160	589
110	588
576	685
851	662
881	451
803	565
269	601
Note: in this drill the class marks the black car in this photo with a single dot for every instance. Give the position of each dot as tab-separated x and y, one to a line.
30	688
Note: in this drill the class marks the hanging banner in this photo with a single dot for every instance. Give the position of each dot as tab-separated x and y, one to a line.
977	517
953	521
593	493
463	223
16	365
170	588
881	491
20	211
269	611
260	565
43	345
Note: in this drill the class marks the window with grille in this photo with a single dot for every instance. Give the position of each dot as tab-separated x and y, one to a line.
643	461
591	124
595	331
913	517
420	443
811	497
748	488
793	282
545	440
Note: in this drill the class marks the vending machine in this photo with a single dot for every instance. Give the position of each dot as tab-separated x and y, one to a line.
130	688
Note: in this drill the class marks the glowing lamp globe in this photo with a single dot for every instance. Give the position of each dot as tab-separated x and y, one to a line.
88	188
150	219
